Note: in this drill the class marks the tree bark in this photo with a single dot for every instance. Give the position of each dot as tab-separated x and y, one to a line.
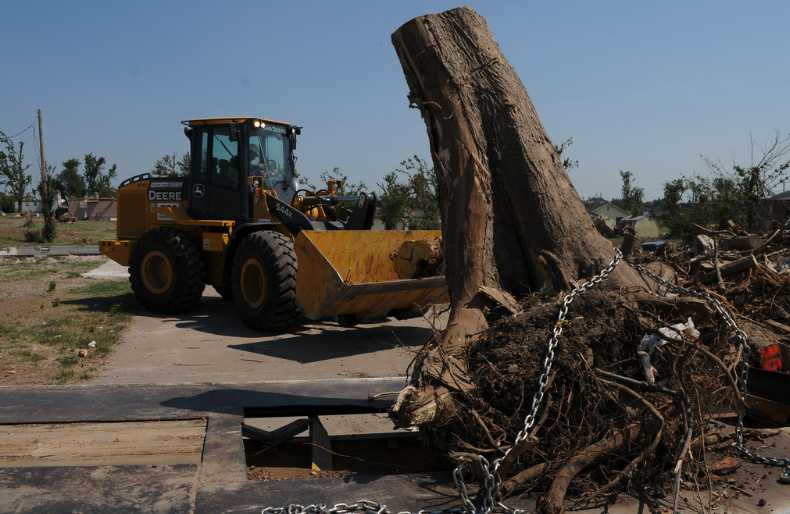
511	219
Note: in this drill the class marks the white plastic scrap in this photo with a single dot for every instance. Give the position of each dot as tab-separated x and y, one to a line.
650	341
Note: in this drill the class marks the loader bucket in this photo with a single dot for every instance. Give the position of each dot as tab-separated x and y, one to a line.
350	272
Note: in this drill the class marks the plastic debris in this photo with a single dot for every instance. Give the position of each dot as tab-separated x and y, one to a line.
650	341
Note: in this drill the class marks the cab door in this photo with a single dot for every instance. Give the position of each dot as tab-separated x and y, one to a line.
218	179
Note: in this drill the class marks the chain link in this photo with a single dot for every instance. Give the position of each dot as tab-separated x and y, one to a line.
492	481
744	340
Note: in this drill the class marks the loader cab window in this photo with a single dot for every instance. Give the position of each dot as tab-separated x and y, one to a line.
277	160
201	167
224	160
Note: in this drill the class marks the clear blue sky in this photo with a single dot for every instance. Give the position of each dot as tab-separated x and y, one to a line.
641	86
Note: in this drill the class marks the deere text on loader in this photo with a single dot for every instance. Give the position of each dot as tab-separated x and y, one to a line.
241	224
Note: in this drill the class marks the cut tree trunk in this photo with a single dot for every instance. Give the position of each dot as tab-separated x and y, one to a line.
511	219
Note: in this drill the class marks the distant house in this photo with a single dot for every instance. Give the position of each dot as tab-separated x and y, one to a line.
611	214
777	204
645	226
94	208
33	205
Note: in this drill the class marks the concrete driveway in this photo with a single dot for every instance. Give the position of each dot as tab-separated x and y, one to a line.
211	345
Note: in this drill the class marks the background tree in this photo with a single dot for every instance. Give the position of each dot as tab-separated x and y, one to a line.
96	180
47	191
632	196
69	181
395	205
346	189
745	187
673	192
12	170
415	202
423	197
172	166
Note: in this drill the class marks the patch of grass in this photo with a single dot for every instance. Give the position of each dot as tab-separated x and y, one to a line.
68	361
79	233
22	271
10	331
95	310
28	355
64	376
104	288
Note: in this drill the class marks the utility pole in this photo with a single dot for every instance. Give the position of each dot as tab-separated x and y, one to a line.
43	163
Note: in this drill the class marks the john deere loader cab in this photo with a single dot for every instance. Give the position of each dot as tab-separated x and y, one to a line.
230	152
241	224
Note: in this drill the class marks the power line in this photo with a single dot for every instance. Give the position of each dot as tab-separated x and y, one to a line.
30	127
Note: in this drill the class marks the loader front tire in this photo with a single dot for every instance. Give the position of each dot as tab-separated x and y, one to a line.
167	271
264	282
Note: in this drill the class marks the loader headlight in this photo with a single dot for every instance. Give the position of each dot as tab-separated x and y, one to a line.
258	124
362	198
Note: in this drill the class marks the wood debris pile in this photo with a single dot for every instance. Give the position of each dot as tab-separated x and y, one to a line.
608	422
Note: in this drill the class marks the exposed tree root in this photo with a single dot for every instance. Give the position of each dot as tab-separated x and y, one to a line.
554	501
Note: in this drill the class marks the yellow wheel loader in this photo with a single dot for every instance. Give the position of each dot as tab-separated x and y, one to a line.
240	223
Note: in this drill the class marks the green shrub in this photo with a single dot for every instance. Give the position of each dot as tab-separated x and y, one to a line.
56	302
52	286
33	236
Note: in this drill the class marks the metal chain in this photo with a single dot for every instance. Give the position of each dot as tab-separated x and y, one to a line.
492	481
344	508
744	340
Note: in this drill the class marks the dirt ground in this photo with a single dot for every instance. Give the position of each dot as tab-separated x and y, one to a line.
49	313
78	233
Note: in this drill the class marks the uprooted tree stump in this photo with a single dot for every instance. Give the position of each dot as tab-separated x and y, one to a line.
514	226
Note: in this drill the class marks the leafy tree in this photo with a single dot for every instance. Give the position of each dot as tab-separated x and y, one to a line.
172	166
395	205
745	187
12	170
96	180
69	181
415	202
47	191
632	195
673	192
7	203
424	195
346	189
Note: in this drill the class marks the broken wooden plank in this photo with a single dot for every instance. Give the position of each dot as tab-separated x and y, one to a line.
777	325
102	443
731	268
320	446
277	436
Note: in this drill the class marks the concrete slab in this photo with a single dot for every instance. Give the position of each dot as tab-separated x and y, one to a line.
38	251
211	344
109	269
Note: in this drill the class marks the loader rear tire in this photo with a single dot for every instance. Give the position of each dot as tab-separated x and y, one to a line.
167	271
264	282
